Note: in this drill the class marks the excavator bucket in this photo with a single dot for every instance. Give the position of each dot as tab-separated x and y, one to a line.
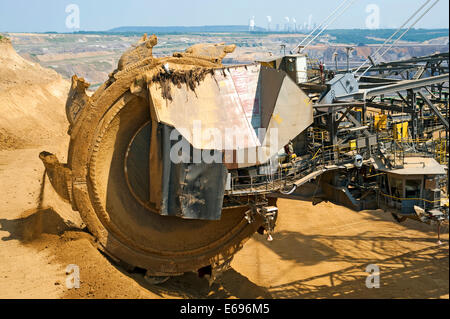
251	100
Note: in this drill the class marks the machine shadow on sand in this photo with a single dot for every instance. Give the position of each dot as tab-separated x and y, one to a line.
46	221
34	223
231	284
405	270
399	274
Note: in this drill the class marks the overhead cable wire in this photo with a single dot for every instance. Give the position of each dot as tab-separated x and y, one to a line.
320	25
392	36
326	26
401	36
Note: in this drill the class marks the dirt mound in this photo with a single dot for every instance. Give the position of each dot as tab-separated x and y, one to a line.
32	101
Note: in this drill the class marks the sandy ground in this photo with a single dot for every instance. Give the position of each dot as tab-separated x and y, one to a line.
318	251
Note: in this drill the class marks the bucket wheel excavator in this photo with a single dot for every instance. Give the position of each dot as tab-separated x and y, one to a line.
146	209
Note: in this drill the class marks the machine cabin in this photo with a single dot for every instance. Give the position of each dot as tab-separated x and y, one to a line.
416	184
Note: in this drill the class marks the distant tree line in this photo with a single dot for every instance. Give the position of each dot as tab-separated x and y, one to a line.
365	36
358	37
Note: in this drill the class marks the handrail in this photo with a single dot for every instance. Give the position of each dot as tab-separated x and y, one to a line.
422	199
323	155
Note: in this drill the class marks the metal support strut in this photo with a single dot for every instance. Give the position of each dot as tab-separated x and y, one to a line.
268	213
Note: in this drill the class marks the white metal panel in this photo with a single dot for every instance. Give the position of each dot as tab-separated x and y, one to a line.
302	69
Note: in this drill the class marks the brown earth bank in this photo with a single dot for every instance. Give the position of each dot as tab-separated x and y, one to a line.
32	101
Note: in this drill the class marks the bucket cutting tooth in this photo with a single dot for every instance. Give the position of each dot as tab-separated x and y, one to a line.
60	175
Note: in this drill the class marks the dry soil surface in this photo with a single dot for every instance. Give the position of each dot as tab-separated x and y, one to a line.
318	251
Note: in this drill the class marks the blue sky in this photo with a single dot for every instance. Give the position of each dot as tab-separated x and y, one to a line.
50	15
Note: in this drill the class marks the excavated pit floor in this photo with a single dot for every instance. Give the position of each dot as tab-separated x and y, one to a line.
318	251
